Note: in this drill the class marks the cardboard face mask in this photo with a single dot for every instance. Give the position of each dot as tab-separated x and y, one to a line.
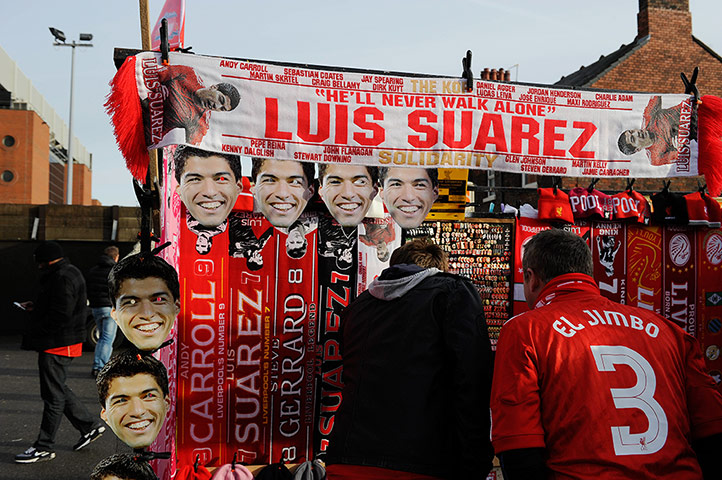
282	191
409	194
347	191
135	409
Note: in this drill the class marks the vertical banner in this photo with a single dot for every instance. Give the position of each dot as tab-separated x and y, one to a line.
709	313
252	354
170	221
377	239
273	339
644	267
294	334
337	282
609	253
679	296
525	229
203	324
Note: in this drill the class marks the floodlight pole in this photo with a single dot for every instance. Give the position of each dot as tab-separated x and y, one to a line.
69	185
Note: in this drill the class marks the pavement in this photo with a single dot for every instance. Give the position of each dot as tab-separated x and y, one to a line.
21	411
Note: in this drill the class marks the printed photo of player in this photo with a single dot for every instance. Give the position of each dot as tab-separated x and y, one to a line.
379	236
282	189
347	190
409	193
243	242
337	242
187	103
657	135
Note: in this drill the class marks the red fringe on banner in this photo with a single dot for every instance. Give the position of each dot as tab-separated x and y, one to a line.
709	138
123	106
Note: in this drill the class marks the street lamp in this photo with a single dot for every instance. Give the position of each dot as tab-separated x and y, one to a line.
60	42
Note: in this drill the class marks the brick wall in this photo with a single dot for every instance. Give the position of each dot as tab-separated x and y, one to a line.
24	157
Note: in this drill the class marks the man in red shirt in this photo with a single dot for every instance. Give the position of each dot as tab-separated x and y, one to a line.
587	388
658	134
56	331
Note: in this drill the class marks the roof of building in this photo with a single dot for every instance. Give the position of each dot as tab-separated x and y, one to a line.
587	75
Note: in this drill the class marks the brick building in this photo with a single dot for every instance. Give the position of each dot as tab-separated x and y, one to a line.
663	48
33	146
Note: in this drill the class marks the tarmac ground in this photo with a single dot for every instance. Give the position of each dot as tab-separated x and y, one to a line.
21	411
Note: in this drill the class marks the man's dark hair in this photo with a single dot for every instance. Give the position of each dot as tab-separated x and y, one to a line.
124	466
309	169
140	266
554	252
129	364
184	151
373	172
422	252
431	172
111	251
231	92
624	146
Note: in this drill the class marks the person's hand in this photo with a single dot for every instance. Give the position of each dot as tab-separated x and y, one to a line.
25	305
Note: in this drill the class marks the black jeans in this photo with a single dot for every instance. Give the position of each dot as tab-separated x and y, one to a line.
58	399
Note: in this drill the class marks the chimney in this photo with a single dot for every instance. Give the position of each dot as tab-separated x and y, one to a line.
664	18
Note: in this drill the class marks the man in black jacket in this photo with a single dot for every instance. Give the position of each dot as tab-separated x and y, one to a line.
56	332
416	373
99	300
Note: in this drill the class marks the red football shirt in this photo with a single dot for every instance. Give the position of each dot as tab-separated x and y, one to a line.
610	391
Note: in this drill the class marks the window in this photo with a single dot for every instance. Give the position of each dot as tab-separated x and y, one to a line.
8	141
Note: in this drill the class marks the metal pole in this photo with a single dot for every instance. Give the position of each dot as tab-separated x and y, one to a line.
69	186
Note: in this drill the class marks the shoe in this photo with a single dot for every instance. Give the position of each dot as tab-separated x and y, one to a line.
94	373
32	455
88	437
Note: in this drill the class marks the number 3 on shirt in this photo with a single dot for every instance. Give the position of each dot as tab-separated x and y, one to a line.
640	396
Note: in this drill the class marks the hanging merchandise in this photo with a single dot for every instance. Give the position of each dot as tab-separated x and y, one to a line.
554	205
310	471
631	205
591	203
275	471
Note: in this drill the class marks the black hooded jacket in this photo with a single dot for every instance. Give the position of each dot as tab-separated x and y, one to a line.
417	377
58	315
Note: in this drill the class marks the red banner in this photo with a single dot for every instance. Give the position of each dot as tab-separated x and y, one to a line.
644	267
679	295
203	327
525	229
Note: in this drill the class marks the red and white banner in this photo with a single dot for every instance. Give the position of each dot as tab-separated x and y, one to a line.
340	116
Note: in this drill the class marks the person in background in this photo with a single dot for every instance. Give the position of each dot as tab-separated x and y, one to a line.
588	388
99	301
56	332
416	374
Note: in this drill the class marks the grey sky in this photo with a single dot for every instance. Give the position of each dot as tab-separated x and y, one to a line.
547	39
